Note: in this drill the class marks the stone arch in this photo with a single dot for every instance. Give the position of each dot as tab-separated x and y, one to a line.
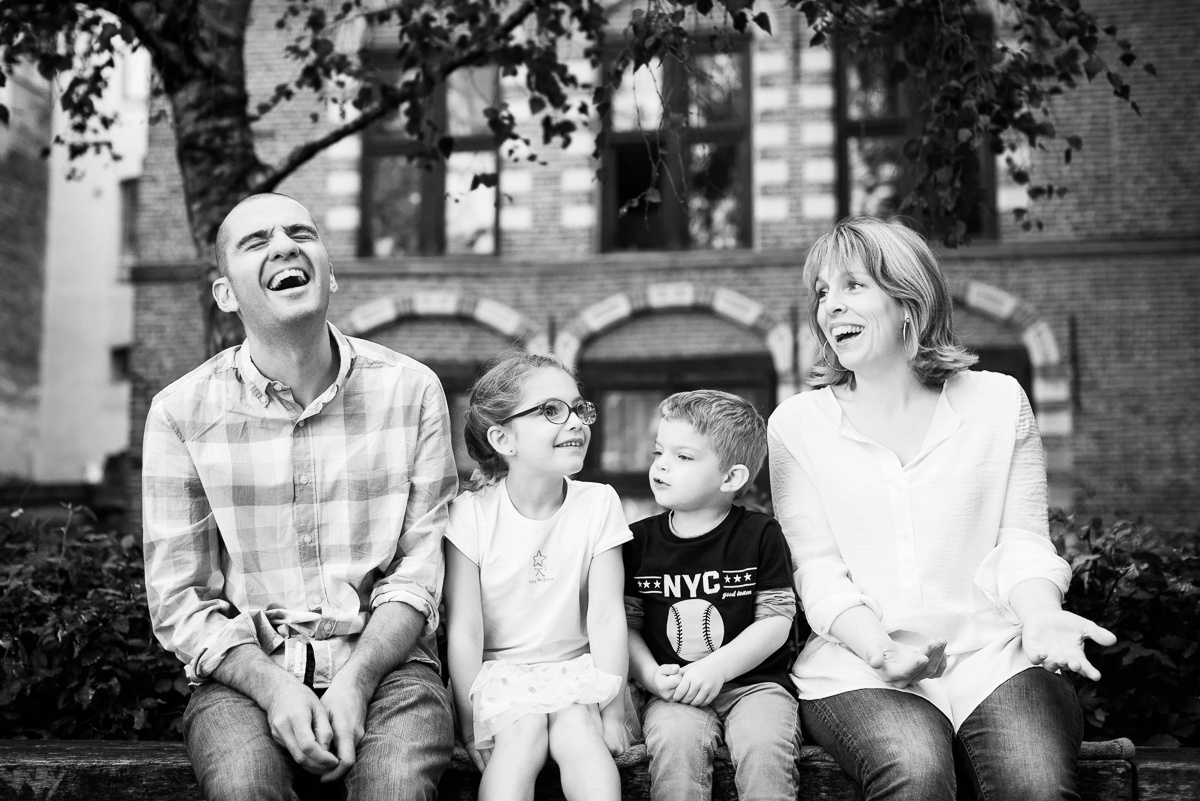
679	295
368	318
1052	390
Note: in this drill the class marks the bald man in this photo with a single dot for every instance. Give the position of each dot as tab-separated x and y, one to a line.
295	490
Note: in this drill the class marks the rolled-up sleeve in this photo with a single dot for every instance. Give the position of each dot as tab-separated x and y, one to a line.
184	580
1023	547
415	576
822	577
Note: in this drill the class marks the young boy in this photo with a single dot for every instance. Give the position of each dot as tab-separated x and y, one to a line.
710	600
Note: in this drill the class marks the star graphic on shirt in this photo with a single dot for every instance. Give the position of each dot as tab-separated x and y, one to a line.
657	584
746	577
539	560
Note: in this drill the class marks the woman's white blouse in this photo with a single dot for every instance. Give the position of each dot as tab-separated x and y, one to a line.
932	547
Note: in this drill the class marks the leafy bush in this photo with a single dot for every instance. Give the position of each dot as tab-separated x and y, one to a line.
1144	586
77	656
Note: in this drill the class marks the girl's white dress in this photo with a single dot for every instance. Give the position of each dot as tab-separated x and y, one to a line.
533	577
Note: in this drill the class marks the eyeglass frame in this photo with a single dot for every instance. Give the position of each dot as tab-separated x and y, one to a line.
589	408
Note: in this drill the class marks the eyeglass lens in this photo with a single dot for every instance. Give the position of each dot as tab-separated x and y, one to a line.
557	411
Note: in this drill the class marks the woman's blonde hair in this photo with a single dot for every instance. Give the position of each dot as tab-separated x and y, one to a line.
904	266
494	396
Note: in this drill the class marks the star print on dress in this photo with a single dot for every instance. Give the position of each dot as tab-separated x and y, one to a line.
539	569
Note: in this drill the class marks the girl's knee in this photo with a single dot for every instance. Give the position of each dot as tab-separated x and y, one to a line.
527	734
575	720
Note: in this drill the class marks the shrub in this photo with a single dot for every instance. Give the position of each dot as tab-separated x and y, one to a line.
1144	586
77	656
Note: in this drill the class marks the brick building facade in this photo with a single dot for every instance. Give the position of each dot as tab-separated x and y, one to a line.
1094	314
24	178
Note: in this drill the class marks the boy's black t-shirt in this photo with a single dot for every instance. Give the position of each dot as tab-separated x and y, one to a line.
698	594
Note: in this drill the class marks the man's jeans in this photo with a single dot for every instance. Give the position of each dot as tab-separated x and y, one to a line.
407	746
759	724
1019	744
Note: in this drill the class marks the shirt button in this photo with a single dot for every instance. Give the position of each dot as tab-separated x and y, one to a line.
308	539
304	478
278	386
316	599
301	424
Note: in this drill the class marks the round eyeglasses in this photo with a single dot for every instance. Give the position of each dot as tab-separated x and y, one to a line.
557	412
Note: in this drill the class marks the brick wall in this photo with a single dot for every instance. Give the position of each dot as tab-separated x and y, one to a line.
24	176
1108	290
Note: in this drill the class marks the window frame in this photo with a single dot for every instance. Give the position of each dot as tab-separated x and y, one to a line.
377	143
669	376
907	124
670	138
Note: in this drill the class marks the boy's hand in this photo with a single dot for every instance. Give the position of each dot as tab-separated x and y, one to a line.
701	682
666	679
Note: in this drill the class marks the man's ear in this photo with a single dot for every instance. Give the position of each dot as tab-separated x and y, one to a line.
223	294
735	478
502	441
332	280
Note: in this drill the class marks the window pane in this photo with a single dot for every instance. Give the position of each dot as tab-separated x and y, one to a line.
870	92
716	94
638	102
470	214
394	206
630	421
715	186
876	173
468	92
638	226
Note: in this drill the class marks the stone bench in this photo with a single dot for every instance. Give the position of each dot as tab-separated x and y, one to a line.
90	770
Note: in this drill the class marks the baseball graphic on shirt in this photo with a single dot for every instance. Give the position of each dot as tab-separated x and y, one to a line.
694	628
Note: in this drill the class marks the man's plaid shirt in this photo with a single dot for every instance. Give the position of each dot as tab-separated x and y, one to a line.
279	526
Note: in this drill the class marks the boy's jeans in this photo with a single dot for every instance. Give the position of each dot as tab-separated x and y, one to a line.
407	745
758	723
1019	744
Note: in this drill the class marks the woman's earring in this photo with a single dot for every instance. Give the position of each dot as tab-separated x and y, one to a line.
824	354
904	329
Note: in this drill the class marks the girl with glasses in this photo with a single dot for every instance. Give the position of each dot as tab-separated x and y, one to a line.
534	577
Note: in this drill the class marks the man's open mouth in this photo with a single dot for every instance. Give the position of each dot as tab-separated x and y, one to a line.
288	279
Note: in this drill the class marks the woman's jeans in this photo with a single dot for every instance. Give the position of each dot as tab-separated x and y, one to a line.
1019	744
759	724
406	748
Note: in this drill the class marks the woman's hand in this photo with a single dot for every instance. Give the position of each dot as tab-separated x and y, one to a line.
902	665
1053	638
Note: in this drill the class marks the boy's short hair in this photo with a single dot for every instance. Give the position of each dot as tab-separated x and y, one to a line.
735	428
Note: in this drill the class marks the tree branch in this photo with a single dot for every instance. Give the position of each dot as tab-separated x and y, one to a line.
304	153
